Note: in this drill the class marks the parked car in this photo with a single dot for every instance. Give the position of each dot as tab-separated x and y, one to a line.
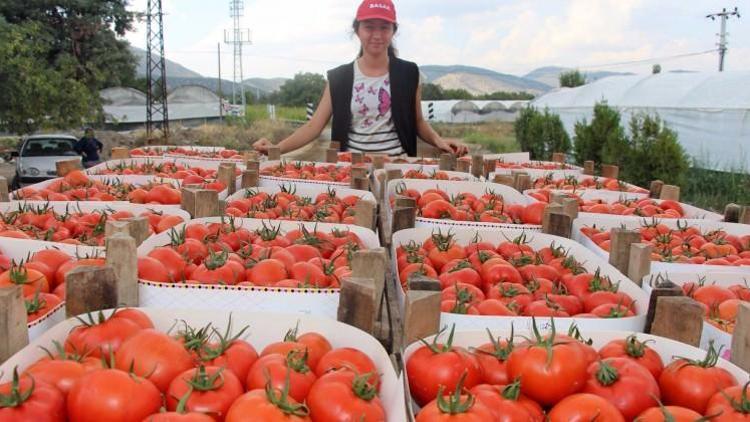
37	155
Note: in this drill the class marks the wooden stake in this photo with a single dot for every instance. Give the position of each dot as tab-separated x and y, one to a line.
4	194
250	156
744	215
419	282
139	228
403	218
678	318
378	161
620	241
504	179
570	207
123	258
405	201
446	162
66	166
357	303
13	325
421	315
89	289
639	265
477	165
360	183
670	192
359	171
274	153
252	165
463	166
206	203
663	289
549	209
187	201
249	179
610	171
559	224
732	213
557	197
741	338
364	214
489	167
522	182
227	175
393	175
357	158
558	157
588	167
332	156
371	264
335	145
119	153
655	189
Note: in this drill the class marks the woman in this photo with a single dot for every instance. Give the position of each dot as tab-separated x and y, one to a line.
375	101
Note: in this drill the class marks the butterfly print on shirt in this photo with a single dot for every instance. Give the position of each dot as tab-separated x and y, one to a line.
358	99
384	102
371	90
363	110
359	87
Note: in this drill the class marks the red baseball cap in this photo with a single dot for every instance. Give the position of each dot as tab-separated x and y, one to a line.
377	9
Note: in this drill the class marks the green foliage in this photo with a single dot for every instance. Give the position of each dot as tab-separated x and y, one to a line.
304	88
713	189
434	92
492	144
654	153
603	141
541	134
572	79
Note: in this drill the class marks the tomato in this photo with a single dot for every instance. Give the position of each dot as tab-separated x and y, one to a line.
550	369
215	269
39	305
507	403
153	355
62	372
267	405
112	395
231	353
532	214
691	383
308	273
29	279
460	275
152	269
345	396
712	295
629	386
177	416
635	350
455	407
23	399
172	261
211	390
444	252
267	272
730	404
103	336
669	414
495	274
350	358
584	408
492	358
436	366
278	368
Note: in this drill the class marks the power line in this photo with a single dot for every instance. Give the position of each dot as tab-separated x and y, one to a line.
649	60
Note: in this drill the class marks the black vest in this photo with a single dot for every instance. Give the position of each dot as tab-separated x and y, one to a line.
404	77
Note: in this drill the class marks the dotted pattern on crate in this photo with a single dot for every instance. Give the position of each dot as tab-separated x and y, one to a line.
312	182
477	224
238	288
48	315
194	157
43	324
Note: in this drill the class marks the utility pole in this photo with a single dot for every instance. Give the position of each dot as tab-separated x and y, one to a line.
724	15
237	37
156	75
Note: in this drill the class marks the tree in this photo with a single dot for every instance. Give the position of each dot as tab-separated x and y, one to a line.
541	134
656	69
655	153
572	79
603	141
432	92
457	94
303	88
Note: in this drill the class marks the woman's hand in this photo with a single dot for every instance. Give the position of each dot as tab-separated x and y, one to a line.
262	145
453	146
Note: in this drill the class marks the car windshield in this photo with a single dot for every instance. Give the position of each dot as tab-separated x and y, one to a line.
47	147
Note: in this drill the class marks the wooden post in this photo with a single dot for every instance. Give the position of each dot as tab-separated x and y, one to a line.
446	162
274	153
558	157
655	189
187	201
252	165
405	201
249	179
477	165
588	167
610	171
619	253
206	203
419	282
732	213
112	227
4	193
671	192
421	315
123	258
639	265
570	207
489	167
89	289
522	182
119	153
13	325
678	318
558	224
357	306
663	289
250	156
357	158
66	166
741	338
403	218
549	209
360	183
557	197
393	175
463	166
139	228
364	214
504	179
359	171
744	215
378	161
335	145
227	175
371	264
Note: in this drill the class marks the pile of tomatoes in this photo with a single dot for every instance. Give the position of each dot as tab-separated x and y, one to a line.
42	278
720	304
73	227
432	175
346	157
562	378
185	152
512	279
684	245
487	208
534	165
309	171
118	367
645	207
572	183
188	174
287	205
224	253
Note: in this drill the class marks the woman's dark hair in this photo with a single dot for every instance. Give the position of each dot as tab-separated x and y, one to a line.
392	51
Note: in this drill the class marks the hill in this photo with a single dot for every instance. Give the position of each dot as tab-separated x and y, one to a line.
478	80
174	69
548	75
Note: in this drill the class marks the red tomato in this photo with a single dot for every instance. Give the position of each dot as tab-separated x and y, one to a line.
24	399
355	398
103	336
112	395
455	407
153	355
347	357
635	350
210	390
492	359
584	408
267	405
507	403
730	404
292	367
669	414
627	385
230	352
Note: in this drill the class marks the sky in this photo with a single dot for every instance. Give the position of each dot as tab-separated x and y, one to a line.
508	36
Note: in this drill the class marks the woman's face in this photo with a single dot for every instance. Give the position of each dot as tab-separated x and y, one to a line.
375	36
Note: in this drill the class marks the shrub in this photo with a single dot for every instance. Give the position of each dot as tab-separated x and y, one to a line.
655	153
572	79
541	134
602	141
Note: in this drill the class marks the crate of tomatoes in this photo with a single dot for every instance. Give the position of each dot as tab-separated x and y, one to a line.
581	182
467	204
678	245
39	268
306	172
537	169
535	375
195	170
720	295
289	201
492	278
234	263
626	204
79	223
161	365
418	172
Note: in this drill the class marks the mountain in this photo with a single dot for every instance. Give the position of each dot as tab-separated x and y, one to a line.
174	69
549	75
266	84
477	80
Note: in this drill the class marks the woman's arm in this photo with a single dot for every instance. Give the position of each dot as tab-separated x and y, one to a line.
428	134
307	132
